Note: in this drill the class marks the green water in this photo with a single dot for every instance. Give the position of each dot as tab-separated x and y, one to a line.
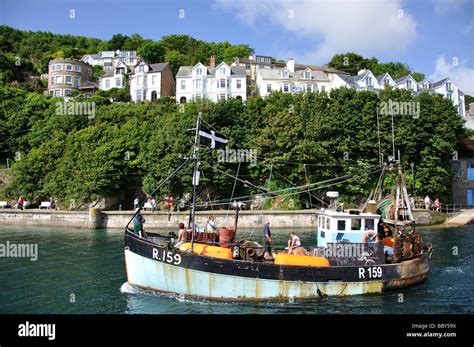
82	271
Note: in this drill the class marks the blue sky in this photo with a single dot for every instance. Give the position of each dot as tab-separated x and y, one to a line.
435	37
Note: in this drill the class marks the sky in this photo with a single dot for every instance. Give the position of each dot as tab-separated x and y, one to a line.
435	37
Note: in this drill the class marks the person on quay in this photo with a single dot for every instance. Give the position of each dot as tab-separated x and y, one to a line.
437	205
136	203
427	202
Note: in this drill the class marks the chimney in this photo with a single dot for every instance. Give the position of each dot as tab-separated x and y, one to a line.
213	62
290	65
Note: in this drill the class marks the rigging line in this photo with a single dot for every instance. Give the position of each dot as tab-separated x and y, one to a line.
264	199
235	183
293	188
140	206
330	184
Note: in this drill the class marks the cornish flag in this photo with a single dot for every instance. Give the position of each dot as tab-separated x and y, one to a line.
212	138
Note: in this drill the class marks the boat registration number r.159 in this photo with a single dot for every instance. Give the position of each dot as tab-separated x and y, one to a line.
166	257
371	272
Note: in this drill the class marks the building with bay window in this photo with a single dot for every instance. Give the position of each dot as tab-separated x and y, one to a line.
67	75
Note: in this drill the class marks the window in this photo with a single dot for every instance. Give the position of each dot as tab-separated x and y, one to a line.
369	224
457	168
139	95
239	84
328	223
356	224
76	82
67	92
409	84
269	88
222	96
341	225
77	68
198	84
59	79
448	86
68	67
470	171
68	79
59	67
323	88
285	88
153	80
449	96
309	87
198	97
139	80
307	74
222	70
369	81
183	85
323	234
470	197
386	82
284	73
222	83
52	80
57	92
107	83
141	68
199	71
118	82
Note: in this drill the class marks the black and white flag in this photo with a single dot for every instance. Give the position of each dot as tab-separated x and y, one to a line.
212	138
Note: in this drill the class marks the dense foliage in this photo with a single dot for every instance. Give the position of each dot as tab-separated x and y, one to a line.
299	138
27	53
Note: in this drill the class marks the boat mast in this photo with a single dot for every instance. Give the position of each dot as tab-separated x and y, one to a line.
195	177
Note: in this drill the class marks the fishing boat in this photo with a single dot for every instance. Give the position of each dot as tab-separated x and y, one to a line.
372	251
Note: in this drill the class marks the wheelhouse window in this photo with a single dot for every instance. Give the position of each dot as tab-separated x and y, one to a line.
328	223
341	225
369	224
356	224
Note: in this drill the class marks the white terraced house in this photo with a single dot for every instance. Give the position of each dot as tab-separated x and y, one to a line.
151	81
363	79
115	78
287	79
109	59
212	82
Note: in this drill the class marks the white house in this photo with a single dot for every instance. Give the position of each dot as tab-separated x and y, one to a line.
385	80
407	82
115	78
365	80
109	59
210	82
151	81
451	91
288	80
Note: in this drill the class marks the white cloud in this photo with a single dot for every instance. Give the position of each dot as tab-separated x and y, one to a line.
332	26
460	74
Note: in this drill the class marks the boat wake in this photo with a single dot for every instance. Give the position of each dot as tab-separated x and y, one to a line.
126	288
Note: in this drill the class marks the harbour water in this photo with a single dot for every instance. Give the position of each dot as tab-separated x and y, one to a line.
82	271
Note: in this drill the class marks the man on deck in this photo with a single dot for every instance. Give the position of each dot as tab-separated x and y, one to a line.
267	238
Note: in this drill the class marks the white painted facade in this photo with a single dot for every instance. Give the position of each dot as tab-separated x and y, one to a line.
109	59
115	78
145	84
287	80
451	91
201	82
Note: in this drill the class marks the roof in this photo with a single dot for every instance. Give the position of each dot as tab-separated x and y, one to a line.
346	78
382	76
186	71
439	83
275	74
403	78
157	67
